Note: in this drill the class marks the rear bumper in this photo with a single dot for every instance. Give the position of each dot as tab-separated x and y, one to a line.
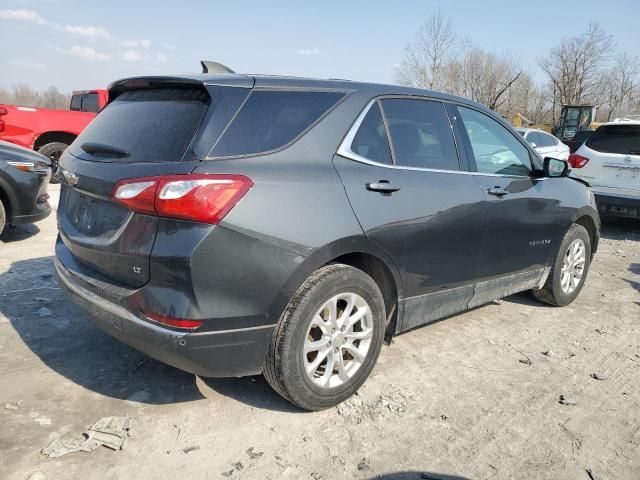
222	353
618	204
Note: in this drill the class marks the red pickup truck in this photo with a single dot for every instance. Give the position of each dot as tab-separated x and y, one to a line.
50	131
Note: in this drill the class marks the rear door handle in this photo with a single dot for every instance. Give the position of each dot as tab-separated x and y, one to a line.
497	191
382	186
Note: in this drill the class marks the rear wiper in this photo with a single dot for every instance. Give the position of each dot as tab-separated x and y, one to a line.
101	148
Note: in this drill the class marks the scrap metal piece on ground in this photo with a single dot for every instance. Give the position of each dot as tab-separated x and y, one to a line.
111	432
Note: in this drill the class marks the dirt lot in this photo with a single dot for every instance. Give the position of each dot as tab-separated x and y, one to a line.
475	396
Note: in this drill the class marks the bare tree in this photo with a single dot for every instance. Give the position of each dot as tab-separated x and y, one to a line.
482	76
23	94
619	82
573	67
426	56
52	98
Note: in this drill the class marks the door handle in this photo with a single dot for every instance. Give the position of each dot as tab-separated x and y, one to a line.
383	186
497	191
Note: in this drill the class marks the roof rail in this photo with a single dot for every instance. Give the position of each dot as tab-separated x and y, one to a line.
209	66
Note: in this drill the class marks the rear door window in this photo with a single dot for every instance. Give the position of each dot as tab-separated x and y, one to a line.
621	139
271	119
151	125
371	139
421	135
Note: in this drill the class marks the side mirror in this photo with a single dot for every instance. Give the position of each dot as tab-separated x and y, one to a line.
533	144
554	167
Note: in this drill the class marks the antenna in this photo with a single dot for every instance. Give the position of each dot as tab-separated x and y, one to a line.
209	66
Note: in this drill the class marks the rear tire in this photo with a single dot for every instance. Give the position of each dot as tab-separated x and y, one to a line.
53	151
572	260
343	361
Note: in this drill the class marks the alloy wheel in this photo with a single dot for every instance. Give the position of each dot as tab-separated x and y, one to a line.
338	340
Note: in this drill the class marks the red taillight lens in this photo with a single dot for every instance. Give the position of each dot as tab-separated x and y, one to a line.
577	161
196	197
186	323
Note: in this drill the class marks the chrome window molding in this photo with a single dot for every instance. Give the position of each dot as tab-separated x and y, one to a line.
345	151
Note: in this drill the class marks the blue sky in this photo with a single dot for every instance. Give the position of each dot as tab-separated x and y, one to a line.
75	44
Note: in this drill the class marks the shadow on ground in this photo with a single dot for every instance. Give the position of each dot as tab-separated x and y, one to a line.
18	233
59	334
253	391
63	338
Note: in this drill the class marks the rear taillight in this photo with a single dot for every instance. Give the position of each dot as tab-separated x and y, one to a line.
577	161
196	197
185	323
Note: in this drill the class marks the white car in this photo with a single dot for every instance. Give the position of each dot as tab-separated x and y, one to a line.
545	144
610	161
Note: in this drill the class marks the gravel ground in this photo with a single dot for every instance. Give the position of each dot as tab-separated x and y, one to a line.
475	396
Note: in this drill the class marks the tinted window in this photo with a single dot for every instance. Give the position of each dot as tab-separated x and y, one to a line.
494	147
151	125
371	140
420	134
76	102
271	119
622	139
90	102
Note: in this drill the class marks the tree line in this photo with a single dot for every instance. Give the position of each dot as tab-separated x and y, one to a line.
23	94
586	68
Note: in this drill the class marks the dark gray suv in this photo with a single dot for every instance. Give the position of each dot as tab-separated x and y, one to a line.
234	225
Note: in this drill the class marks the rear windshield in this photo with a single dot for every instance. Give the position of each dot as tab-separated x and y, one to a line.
270	119
622	139
154	125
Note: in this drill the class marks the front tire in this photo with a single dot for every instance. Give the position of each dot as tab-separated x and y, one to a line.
53	151
328	338
569	269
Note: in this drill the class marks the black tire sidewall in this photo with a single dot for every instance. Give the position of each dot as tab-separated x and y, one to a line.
575	232
301	388
47	150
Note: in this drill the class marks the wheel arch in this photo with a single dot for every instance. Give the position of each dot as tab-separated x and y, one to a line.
592	228
54	136
9	201
360	253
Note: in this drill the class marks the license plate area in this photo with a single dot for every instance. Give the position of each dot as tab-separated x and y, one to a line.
92	217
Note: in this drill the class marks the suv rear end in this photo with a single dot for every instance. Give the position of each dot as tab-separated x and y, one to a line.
610	161
158	198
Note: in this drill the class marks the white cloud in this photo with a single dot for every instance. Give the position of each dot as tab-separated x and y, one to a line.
131	56
22	16
308	51
162	58
28	65
136	43
168	46
90	32
87	53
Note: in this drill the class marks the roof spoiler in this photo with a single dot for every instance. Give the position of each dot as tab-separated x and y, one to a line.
209	66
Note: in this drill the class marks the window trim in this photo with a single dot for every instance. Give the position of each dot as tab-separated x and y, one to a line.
344	150
346	94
